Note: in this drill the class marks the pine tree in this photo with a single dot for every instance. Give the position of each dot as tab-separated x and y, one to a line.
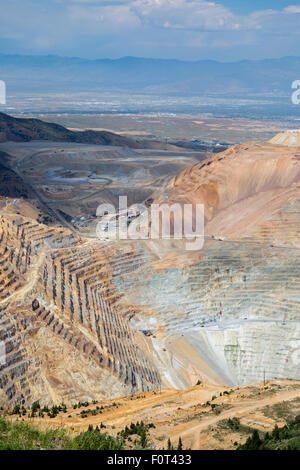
179	447
143	439
170	447
276	433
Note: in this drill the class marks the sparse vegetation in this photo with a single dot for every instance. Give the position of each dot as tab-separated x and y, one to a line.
285	438
24	436
234	432
139	429
234	423
98	410
94	439
284	410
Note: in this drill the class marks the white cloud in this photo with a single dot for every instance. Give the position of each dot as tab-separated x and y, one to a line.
158	28
101	19
292	9
184	14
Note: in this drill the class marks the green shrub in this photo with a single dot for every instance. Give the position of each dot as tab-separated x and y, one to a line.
93	439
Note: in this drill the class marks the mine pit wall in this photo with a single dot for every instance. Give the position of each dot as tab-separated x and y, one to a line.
64	338
229	318
242	355
85	320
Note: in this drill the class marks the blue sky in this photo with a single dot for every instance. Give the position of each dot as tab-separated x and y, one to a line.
245	6
225	30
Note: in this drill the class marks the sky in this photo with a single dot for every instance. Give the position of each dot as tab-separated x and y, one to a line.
226	30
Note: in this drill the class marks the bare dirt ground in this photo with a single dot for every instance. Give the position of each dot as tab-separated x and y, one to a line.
199	415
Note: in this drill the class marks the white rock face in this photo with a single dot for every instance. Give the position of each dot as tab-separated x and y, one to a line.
230	318
252	350
290	138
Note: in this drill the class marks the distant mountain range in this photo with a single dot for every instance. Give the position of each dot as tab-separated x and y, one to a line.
62	74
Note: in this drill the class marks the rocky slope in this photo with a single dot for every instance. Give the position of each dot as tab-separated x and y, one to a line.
87	318
240	188
64	337
231	311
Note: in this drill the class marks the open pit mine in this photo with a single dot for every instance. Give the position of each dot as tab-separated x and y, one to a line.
82	318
